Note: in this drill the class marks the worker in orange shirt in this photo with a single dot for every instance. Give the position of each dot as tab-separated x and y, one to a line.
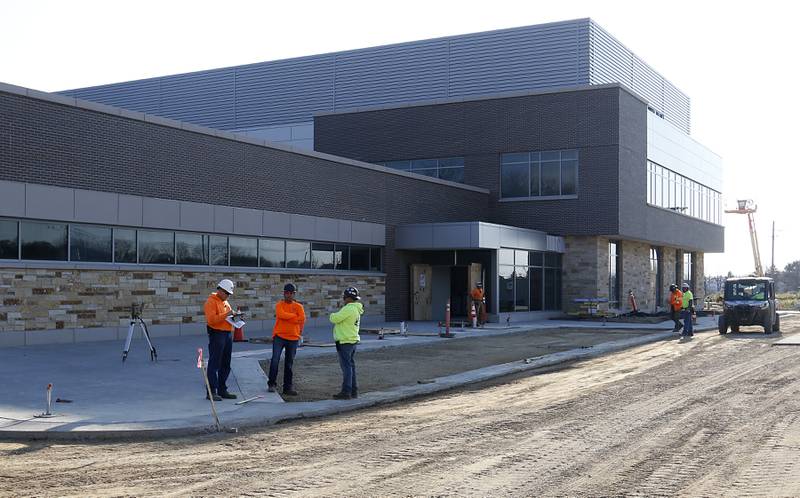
220	343
477	296
675	305
290	317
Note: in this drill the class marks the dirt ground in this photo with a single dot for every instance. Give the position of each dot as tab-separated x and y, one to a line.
318	378
713	416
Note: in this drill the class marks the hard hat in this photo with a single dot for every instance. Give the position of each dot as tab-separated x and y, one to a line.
479	284
289	288
672	286
685	285
226	285
351	292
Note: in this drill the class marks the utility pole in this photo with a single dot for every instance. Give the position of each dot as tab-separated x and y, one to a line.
772	268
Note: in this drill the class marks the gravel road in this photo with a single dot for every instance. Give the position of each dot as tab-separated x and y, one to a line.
713	416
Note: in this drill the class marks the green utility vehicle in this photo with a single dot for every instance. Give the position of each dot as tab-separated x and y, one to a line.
749	301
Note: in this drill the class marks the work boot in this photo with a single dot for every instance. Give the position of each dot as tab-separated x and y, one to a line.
270	388
216	397
354	393
342	395
227	395
289	392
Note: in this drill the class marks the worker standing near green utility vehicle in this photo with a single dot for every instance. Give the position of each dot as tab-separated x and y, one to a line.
346	323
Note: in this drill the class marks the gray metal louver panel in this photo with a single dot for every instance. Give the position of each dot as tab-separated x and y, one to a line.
520	59
612	62
205	98
141	95
285	91
395	74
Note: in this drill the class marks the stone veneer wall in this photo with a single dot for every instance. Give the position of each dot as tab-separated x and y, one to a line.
46	299
637	276
585	270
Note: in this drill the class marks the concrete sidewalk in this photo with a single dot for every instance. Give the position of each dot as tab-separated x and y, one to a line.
110	399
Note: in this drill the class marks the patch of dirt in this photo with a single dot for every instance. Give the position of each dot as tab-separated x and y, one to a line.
320	377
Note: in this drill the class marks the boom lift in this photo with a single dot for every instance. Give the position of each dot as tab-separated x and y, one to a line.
747	207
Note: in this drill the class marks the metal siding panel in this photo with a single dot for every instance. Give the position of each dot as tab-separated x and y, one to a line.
612	62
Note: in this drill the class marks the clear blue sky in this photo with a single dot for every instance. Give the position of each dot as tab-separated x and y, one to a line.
737	65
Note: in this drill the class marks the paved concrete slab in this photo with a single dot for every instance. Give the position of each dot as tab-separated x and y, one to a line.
111	398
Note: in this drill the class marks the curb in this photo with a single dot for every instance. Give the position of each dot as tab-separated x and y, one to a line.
201	425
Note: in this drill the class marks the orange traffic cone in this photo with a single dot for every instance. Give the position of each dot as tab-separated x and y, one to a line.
473	316
238	334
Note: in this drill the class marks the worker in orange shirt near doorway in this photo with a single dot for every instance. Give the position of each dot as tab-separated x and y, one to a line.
477	296
290	317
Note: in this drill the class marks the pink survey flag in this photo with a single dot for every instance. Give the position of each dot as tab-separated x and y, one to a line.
199	357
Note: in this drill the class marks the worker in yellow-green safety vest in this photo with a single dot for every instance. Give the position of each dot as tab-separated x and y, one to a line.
346	323
687	310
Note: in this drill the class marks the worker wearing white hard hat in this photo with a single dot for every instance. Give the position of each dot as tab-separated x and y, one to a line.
220	343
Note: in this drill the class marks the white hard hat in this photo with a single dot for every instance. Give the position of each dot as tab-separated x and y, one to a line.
226	285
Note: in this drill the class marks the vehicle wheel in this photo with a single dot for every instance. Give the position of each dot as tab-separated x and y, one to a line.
723	325
735	327
776	327
768	324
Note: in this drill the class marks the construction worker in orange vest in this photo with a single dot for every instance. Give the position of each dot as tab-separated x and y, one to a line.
220	343
477	296
290	318
675	306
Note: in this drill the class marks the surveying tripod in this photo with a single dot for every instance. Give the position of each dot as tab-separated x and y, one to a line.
136	317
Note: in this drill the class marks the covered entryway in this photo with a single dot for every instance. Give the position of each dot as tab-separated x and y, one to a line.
449	259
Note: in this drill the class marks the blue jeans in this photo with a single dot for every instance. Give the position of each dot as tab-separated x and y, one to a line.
347	362
688	329
278	345
220	346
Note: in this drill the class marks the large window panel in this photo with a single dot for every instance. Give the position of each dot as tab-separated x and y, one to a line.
90	243
218	250
298	254
124	245
514	180
43	241
375	259
271	253
506	291
551	288
191	248
521	289
537	289
322	256
156	247
244	251
452	174
359	258
341	257
569	177
9	239
551	178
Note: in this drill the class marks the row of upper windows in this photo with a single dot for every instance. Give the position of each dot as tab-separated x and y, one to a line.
675	192
550	173
449	168
52	241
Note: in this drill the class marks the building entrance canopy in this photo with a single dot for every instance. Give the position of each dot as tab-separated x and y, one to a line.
474	235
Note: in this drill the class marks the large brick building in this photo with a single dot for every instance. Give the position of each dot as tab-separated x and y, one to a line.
530	158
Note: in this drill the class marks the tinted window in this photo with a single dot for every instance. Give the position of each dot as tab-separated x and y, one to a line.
298	254
89	243
44	241
244	251
506	290
156	247
322	256
359	258
569	177
342	257
191	248
271	253
550	178
537	289
124	245
375	263
218	250
522	287
452	174
9	241
514	180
